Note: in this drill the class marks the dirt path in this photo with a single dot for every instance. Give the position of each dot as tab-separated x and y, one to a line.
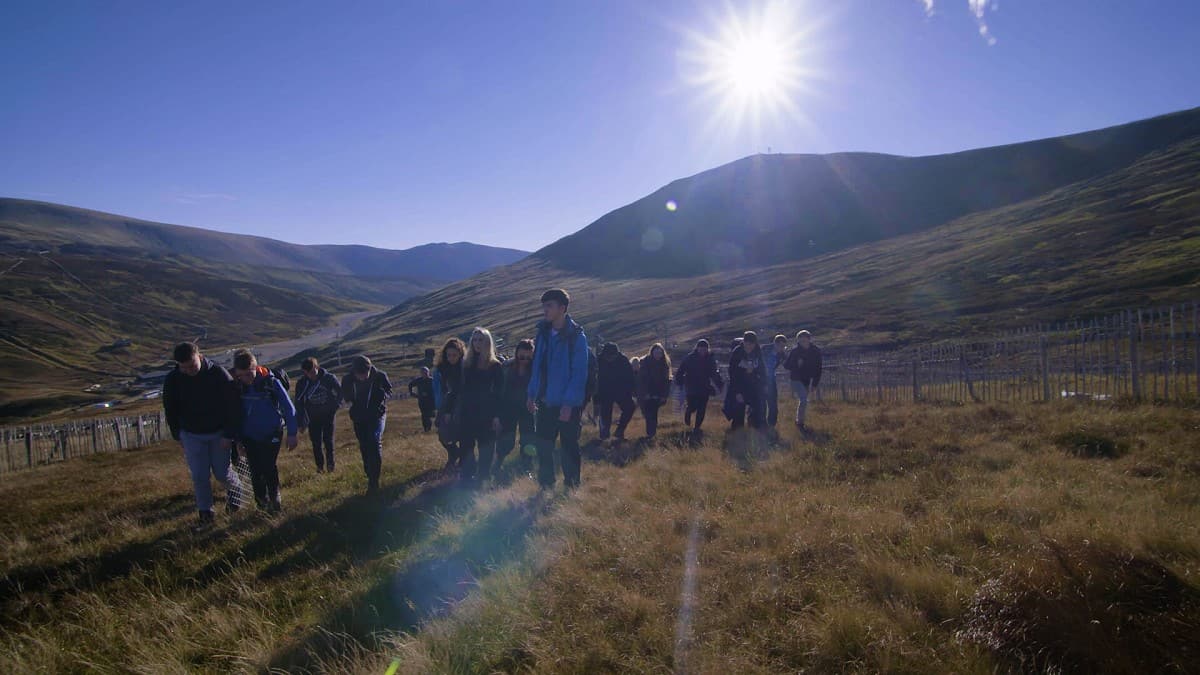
273	351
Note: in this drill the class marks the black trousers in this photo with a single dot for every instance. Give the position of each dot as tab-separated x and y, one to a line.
550	429
476	434
650	408
627	407
507	440
263	458
427	413
772	404
696	405
370	446
751	411
320	431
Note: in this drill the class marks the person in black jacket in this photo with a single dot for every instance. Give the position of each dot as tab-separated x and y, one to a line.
655	387
477	406
804	368
699	377
367	390
421	388
203	412
748	383
514	416
615	384
447	378
318	397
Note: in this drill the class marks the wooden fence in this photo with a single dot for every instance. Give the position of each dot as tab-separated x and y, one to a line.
1138	355
38	444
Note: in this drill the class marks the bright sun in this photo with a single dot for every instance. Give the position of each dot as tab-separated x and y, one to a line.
752	65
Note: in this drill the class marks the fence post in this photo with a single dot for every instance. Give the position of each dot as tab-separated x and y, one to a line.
1044	351
141	432
1134	368
916	382
879	379
29	447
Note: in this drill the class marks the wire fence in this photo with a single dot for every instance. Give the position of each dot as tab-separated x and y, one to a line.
38	444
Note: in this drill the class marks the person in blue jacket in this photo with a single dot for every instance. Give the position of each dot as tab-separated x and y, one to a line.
557	388
265	410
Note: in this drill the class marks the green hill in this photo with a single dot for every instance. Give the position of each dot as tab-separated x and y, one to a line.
771	209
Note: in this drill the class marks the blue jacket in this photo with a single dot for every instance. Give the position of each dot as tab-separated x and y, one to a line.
559	371
266	407
773	361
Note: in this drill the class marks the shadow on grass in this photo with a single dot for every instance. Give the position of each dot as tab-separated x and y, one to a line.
428	586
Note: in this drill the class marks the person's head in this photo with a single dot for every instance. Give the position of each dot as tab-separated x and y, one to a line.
187	357
424	371
524	355
245	366
452	352
702	347
658	356
750	341
311	368
804	339
554	304
361	367
481	353
636	363
610	351
780	343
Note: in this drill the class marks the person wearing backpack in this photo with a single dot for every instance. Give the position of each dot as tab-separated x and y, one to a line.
655	387
513	415
421	388
201	405
447	375
700	379
477	408
772	359
265	409
367	390
748	382
318	397
804	369
557	388
615	384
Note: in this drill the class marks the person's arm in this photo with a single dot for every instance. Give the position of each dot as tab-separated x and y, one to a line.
820	367
535	372
680	373
437	391
170	400
577	373
335	389
411	385
347	389
286	407
233	402
497	395
715	375
385	385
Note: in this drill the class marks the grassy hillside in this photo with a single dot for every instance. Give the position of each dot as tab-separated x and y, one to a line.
1129	238
61	315
771	209
971	539
25	225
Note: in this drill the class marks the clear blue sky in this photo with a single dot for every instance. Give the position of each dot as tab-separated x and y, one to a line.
515	123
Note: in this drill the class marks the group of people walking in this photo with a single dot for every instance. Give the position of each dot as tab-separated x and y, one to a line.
482	408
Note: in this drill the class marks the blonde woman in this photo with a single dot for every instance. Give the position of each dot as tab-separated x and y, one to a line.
479	401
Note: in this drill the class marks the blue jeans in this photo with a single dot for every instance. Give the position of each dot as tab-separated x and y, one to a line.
370	446
203	454
800	389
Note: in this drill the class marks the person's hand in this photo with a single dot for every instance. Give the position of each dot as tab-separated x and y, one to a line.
496	424
564	414
291	442
530	405
739	398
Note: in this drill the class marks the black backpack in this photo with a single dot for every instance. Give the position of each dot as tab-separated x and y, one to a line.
281	375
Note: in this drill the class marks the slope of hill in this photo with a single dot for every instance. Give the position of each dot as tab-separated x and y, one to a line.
771	209
1131	237
65	229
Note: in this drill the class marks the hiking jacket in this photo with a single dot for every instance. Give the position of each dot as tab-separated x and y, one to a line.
478	399
699	375
614	376
317	399
773	360
265	407
804	365
747	373
367	399
559	370
512	400
446	380
422	388
656	381
201	404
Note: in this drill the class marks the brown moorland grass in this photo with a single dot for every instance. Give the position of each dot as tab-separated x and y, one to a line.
899	539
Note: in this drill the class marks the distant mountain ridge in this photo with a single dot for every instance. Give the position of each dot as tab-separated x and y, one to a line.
73	230
771	209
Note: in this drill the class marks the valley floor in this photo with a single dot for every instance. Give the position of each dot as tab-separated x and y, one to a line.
910	538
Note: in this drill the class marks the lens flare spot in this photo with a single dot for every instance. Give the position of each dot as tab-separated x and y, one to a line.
671	205
652	239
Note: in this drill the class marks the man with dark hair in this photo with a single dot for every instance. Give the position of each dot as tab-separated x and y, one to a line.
804	367
699	378
773	358
318	397
557	388
367	390
615	385
266	408
747	382
201	406
421	387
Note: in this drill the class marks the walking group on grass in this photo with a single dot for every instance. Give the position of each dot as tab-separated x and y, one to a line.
479	404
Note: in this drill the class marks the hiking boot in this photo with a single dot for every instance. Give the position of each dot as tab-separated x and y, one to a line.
274	506
204	522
